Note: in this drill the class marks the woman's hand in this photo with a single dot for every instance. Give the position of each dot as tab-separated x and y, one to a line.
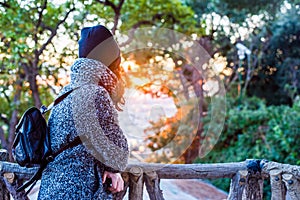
117	183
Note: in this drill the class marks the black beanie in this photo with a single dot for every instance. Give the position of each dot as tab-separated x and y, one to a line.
97	43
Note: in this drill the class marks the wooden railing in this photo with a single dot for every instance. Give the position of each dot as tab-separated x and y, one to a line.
246	178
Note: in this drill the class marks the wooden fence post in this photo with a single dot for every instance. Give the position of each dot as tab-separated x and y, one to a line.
237	185
293	186
277	185
4	193
254	183
9	179
254	188
152	185
136	183
290	175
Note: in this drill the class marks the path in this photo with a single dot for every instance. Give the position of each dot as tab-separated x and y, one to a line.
176	190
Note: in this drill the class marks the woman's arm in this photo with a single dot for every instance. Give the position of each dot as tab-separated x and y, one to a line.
108	120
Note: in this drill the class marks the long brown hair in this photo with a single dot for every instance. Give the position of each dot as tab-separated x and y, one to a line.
116	68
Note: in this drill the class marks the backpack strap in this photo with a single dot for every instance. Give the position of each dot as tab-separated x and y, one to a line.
74	143
50	158
45	109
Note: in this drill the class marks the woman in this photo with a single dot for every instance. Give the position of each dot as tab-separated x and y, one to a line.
89	111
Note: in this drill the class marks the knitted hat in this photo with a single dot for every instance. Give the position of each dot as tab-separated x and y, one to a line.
97	43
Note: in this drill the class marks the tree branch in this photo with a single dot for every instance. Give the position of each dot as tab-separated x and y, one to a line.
109	3
40	16
14	116
121	4
6	97
5	5
116	9
45	27
133	29
137	25
54	32
117	16
4	119
3	139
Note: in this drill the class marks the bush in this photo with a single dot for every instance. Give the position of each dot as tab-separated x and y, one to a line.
253	130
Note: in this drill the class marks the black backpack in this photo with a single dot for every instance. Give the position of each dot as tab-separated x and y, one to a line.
32	147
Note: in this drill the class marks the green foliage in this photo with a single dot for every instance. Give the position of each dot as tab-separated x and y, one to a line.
273	41
253	130
238	11
136	13
29	57
168	14
24	49
277	74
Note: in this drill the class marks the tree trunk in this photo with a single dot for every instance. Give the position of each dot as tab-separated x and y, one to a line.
14	117
184	84
35	91
196	79
31	73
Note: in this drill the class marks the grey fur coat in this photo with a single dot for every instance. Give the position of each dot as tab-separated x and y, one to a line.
88	112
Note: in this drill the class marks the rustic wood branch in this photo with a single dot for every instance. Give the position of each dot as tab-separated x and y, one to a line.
190	171
136	183
237	185
9	177
247	180
4	192
179	171
8	181
277	185
21	172
12	189
152	185
293	185
267	166
254	181
254	187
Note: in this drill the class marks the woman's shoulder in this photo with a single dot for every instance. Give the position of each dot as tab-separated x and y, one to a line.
91	92
93	89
